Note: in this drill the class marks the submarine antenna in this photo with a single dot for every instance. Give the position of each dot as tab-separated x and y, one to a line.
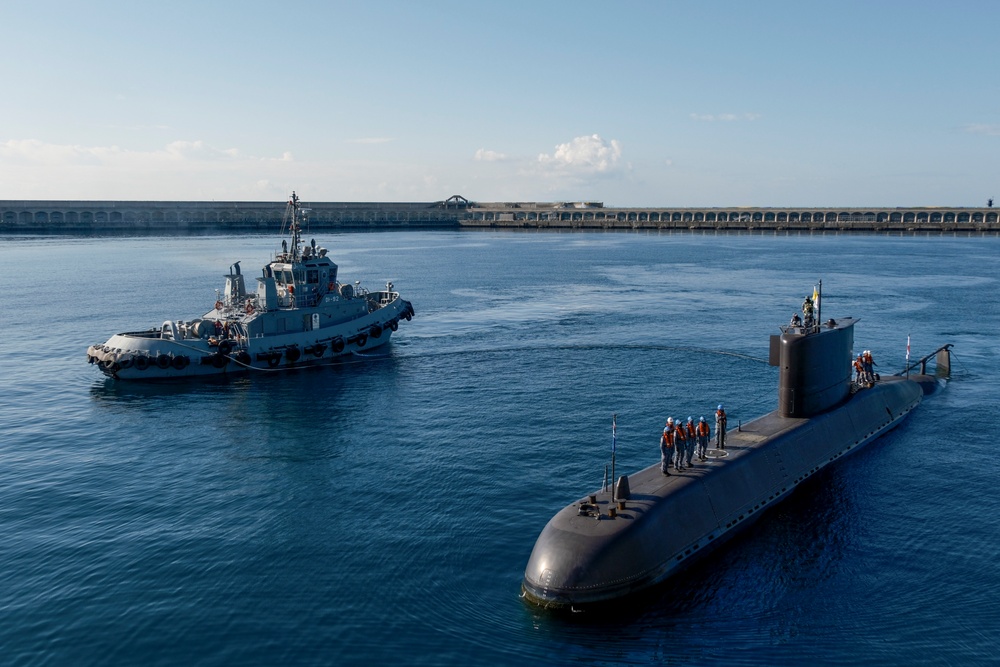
819	303
907	356
614	445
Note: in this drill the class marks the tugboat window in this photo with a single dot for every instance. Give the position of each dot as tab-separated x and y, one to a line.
312	276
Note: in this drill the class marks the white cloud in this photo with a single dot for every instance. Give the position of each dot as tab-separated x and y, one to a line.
32	151
34	169
484	155
586	155
724	117
199	150
981	128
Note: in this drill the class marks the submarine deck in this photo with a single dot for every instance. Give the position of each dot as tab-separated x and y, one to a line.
600	549
650	484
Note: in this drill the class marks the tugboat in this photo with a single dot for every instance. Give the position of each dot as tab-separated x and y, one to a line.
299	315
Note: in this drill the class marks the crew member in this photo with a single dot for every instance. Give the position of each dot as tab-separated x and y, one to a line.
720	428
807	312
702	430
859	370
680	444
869	367
796	320
690	435
667	446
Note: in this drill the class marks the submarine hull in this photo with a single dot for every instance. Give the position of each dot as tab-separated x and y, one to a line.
588	554
669	521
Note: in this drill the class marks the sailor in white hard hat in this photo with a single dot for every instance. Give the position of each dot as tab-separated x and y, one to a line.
667	446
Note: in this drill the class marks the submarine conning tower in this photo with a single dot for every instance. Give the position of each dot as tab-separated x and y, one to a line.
814	366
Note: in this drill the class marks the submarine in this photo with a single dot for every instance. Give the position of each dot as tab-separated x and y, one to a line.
649	526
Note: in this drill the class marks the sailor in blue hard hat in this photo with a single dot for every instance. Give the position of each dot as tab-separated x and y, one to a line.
689	431
681	444
702	431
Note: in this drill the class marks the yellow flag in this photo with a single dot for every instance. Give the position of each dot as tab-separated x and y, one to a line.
815	297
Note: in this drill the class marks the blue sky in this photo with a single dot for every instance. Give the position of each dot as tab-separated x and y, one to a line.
631	103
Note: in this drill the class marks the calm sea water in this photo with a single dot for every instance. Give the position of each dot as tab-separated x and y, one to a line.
382	510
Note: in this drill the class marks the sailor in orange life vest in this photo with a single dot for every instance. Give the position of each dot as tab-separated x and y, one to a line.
689	432
667	446
702	431
680	444
869	366
720	428
859	370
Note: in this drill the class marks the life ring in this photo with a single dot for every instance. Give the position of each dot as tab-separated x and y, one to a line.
249	308
293	353
318	350
163	361
337	345
218	305
274	359
180	362
225	347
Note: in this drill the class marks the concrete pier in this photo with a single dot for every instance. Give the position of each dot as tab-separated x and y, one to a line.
207	217
596	216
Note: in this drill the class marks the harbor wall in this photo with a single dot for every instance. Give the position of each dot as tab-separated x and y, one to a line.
211	217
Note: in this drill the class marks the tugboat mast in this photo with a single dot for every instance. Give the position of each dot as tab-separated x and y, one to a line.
294	227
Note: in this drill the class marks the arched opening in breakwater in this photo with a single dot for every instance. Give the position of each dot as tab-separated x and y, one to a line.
55	216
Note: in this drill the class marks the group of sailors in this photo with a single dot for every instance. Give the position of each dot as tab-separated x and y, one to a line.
864	369
682	440
808	312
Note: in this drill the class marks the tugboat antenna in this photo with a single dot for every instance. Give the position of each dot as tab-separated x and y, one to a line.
293	203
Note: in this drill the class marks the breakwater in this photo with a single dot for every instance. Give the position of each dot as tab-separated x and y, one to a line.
194	217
